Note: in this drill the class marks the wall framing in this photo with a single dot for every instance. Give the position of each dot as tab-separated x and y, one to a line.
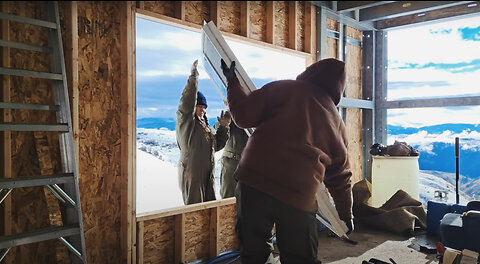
99	42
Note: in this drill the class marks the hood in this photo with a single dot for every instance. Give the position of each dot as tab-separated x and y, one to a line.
327	75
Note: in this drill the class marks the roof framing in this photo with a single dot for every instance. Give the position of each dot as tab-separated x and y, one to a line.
389	14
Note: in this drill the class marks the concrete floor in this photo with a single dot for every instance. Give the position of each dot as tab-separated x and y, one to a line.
376	244
373	243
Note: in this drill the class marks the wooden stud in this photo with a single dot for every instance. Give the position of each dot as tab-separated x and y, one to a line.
180	238
180	10
245	18
270	22
128	217
214	12
214	231
140	239
292	24
141	4
6	137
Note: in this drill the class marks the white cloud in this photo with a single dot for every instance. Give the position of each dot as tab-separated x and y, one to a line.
420	46
418	117
424	140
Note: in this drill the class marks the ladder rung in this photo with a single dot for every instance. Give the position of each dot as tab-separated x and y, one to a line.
17	45
38	235
33	127
27	20
27	73
9	183
29	106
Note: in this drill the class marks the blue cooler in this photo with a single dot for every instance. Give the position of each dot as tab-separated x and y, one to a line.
435	213
462	230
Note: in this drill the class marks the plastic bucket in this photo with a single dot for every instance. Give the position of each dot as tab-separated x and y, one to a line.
390	174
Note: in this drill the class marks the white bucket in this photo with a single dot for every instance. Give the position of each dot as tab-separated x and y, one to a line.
390	174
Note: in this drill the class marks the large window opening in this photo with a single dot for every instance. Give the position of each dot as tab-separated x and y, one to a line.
164	56
440	60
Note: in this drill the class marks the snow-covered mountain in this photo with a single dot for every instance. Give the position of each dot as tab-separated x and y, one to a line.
158	188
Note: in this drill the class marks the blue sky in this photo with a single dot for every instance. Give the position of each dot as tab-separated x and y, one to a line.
439	59
164	55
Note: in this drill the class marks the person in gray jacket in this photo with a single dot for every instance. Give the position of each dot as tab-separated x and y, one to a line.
230	158
197	143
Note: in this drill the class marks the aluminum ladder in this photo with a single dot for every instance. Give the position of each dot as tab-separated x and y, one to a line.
71	233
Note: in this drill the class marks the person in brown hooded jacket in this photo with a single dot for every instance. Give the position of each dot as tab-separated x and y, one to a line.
299	141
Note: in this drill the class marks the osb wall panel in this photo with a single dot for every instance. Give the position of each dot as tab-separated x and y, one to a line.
159	241
332	44
354	134
29	209
166	8
281	23
227	239
197	235
229	16
332	24
300	26
354	116
258	21
197	11
99	136
354	33
332	49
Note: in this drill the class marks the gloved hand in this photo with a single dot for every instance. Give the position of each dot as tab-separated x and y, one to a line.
194	71
224	119
228	72
350	226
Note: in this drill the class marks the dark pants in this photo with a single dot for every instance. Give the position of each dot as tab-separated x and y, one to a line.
296	230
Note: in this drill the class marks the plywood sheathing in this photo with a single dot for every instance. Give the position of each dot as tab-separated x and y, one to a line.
159	242
197	11
227	239
258	22
354	116
332	44
229	18
280	23
99	136
166	8
29	209
197	235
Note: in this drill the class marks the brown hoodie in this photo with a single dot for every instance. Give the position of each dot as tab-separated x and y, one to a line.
299	139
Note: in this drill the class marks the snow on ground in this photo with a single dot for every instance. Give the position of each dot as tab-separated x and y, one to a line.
157	178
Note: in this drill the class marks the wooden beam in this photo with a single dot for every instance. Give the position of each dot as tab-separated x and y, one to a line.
141	4
310	32
345	6
245	18
292	24
180	10
214	232
451	12
270	30
214	12
140	239
404	8
6	137
180	238
185	209
127	129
